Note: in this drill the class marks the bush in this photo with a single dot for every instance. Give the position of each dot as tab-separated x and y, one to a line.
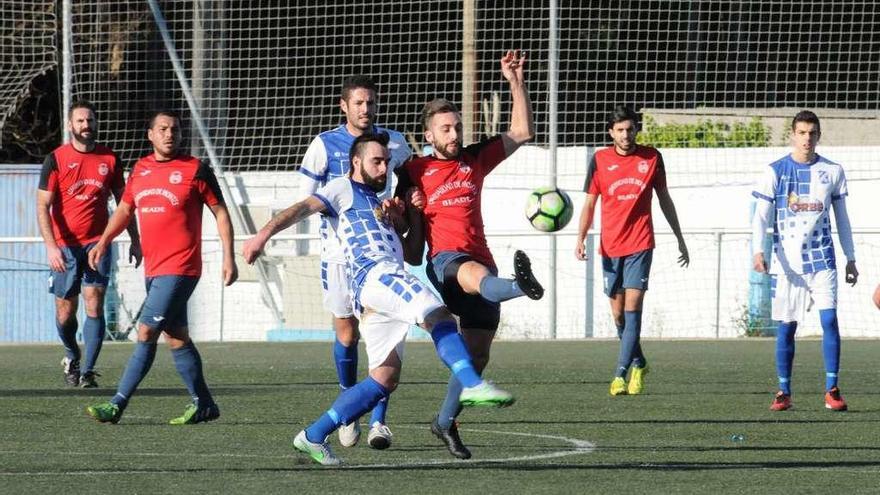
704	134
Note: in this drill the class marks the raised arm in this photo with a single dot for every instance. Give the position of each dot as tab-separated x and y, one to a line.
290	216
522	124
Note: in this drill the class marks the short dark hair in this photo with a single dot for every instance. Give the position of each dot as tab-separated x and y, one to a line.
354	82
620	114
808	117
361	141
82	104
159	113
435	106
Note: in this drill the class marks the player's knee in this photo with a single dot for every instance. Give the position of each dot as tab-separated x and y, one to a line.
146	333
346	331
436	316
877	297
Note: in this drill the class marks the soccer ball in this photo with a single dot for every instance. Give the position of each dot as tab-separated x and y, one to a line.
549	209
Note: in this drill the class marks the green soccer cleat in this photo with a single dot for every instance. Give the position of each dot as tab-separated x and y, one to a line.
636	380
194	414
618	386
486	394
320	452
106	412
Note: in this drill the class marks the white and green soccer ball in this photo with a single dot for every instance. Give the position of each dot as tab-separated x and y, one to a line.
549	209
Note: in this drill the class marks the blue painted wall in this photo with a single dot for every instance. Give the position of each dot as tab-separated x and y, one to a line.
26	308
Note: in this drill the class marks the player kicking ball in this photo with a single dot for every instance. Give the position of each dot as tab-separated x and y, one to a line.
794	195
387	299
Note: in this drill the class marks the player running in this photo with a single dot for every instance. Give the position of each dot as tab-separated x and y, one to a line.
387	299
75	182
794	195
327	159
168	190
625	176
460	264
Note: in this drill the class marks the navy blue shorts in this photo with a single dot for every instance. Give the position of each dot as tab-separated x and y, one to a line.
627	272
165	305
67	284
473	311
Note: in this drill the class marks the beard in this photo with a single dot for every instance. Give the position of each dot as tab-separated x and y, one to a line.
445	152
85	140
377	184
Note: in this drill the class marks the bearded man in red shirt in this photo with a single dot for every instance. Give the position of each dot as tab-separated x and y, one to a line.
625	175
460	264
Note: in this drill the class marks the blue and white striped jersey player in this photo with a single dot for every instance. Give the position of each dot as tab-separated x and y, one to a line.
386	298
327	159
795	194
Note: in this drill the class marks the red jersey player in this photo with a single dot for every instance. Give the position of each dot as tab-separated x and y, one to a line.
460	264
75	183
625	175
168	191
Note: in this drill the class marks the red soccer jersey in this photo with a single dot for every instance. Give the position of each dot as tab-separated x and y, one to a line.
168	197
626	185
453	217
81	183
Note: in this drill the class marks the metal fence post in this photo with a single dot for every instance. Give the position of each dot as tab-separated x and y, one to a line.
718	236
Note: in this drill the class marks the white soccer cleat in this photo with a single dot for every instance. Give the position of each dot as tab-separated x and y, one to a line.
379	437
320	452
349	434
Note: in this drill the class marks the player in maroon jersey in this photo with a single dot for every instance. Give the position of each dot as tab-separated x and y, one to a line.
168	190
625	175
460	264
75	183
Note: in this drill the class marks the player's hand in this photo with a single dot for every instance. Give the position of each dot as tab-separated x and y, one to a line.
852	275
393	210
580	251
877	296
759	264
230	271
685	259
56	259
135	254
96	253
253	248
416	198
512	66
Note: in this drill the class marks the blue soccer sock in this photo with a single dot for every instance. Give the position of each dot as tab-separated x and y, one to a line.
454	354
628	341
348	407
497	289
137	368
785	354
93	335
188	362
638	360
451	406
830	346
346	359
379	412
67	334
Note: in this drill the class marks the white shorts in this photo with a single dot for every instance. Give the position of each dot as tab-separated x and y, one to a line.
391	300
336	290
795	294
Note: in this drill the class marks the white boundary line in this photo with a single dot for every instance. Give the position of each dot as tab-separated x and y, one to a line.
578	447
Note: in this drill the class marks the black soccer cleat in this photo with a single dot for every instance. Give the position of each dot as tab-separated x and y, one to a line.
451	439
525	279
87	380
70	369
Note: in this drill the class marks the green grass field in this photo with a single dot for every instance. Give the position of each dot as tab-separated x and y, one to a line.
565	435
